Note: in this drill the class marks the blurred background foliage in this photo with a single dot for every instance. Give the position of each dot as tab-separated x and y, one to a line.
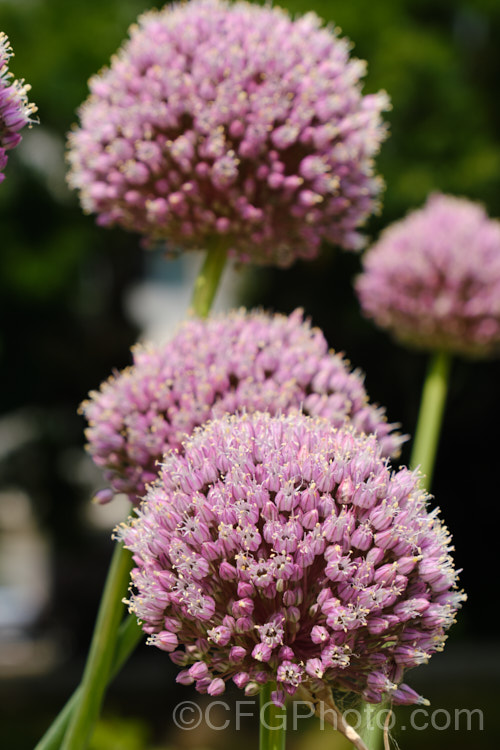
64	326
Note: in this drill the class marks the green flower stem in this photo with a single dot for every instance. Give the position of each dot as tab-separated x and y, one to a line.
129	635
272	734
110	646
208	279
431	415
97	670
372	733
424	455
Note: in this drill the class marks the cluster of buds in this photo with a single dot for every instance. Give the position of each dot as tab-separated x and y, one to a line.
283	549
231	119
433	278
226	364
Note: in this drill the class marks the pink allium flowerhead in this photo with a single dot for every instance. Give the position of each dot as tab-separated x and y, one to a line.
231	119
15	110
433	278
230	363
281	548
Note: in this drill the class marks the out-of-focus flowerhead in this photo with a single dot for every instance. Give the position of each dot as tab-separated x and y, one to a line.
433	278
15	110
281	548
231	119
226	364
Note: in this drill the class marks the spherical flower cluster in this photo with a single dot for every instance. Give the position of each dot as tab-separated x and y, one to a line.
15	110
283	549
231	119
433	279
230	363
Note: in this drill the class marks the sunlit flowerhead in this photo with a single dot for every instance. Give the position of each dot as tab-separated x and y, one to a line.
433	278
229	363
231	120
282	549
15	110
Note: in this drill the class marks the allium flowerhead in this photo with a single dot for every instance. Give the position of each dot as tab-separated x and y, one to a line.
281	548
15	110
230	363
231	119
433	278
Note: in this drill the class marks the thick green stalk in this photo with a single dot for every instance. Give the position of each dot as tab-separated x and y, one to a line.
424	455
78	717
272	734
97	669
129	635
208	279
372	733
431	415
